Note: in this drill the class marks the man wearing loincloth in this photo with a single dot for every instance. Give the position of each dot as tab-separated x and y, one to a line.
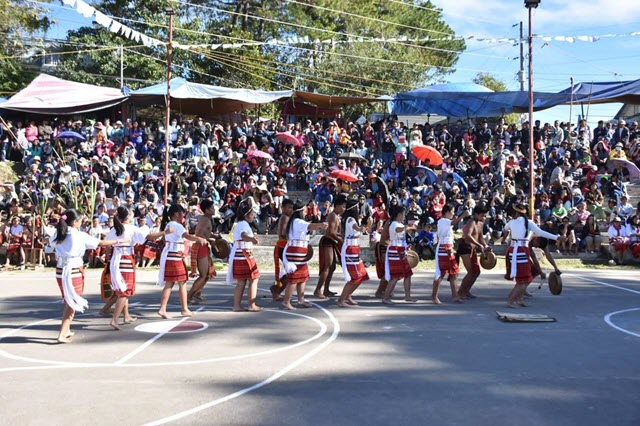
472	243
201	260
330	247
283	222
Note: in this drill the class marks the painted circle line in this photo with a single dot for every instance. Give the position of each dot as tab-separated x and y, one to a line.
172	327
66	364
607	319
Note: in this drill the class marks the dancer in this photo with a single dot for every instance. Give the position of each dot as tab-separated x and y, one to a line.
381	255
70	246
172	266
294	254
519	265
330	248
242	264
122	266
396	264
446	262
353	268
201	260
468	248
280	282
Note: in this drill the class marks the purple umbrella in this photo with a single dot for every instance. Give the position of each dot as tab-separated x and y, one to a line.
70	135
634	172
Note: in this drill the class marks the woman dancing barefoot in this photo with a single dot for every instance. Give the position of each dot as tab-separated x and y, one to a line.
70	246
242	264
122	267
173	268
294	255
353	268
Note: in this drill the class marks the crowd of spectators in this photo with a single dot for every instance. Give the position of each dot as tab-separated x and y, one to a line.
580	191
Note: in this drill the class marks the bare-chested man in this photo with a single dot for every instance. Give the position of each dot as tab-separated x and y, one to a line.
283	222
381	253
330	246
472	243
201	260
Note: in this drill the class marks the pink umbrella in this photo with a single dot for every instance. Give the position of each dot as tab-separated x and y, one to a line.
344	175
256	153
288	139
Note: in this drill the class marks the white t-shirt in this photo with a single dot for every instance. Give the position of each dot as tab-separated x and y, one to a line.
75	244
136	235
445	232
298	230
178	231
396	236
242	227
349	230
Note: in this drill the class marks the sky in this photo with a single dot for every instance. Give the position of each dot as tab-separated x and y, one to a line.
555	62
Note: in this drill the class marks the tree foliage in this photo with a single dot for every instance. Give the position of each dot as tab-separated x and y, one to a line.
18	23
489	81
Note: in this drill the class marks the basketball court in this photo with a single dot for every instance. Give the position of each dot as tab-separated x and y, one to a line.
404	364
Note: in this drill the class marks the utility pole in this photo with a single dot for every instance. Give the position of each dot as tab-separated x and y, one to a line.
521	76
121	67
531	4
168	131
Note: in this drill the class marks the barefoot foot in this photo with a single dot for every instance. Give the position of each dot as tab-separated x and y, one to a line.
187	313
436	301
164	315
114	325
288	306
64	339
319	295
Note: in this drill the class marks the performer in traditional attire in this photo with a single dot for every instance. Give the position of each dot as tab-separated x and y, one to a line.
152	249
122	266
381	256
294	255
280	281
329	248
396	264
201	257
472	242
173	268
353	268
446	261
519	265
70	246
242	263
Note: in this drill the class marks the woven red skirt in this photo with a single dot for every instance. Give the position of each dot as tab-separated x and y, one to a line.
244	266
620	246
381	252
399	267
175	269
301	274
447	261
77	278
355	267
635	249
525	272
105	284
324	243
277	258
128	272
151	250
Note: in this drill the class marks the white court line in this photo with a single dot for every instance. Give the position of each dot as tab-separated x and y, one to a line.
607	319
148	343
605	284
268	380
64	364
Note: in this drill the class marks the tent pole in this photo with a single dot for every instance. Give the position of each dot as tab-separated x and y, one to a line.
167	147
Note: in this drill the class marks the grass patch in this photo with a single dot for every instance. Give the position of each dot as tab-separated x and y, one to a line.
7	172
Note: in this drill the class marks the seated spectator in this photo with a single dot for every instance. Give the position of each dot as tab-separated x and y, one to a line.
568	244
591	235
618	241
559	212
633	231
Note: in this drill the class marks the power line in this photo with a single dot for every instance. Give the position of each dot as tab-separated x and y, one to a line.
342	34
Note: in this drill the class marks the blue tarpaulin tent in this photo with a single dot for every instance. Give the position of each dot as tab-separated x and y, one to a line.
606	92
470	100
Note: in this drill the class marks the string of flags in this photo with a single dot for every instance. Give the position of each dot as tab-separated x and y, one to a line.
117	27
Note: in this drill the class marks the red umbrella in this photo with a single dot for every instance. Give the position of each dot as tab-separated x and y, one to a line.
425	152
344	175
288	139
256	153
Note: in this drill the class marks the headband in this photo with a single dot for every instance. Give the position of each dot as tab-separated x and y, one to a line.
300	209
353	207
520	209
